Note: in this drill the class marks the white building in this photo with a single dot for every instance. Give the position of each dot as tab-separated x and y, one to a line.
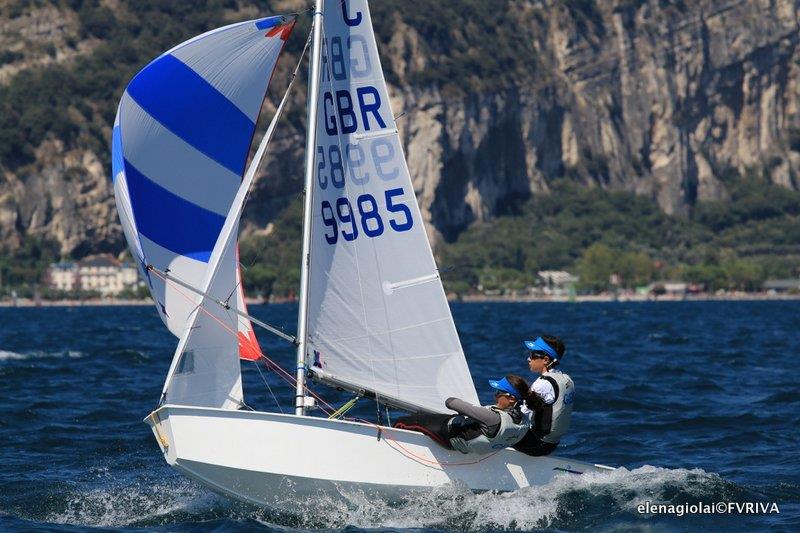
63	276
556	282
101	273
671	287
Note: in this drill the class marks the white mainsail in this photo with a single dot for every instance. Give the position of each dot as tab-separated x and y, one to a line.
378	317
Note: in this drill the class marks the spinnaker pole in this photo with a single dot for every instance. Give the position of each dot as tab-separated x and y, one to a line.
272	329
311	142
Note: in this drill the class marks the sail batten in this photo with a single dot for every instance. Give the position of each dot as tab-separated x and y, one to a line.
378	317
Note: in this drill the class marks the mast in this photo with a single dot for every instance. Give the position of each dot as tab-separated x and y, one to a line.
311	141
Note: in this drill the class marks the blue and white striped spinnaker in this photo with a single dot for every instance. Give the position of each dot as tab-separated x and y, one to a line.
180	143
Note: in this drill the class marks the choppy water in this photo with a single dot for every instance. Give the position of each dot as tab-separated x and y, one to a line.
699	401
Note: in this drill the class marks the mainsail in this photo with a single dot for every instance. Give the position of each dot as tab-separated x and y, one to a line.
378	318
180	142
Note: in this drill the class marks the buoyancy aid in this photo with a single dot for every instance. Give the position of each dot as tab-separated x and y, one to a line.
509	433
553	420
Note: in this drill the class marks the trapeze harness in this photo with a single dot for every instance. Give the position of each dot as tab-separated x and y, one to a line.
508	434
552	421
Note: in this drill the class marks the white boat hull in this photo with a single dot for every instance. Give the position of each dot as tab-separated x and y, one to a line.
269	459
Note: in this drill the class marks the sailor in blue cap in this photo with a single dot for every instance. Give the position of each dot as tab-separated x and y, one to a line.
549	407
477	429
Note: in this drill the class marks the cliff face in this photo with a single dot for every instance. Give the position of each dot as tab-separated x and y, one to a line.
662	101
665	99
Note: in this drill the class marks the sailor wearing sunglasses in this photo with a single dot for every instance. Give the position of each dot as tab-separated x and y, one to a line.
550	406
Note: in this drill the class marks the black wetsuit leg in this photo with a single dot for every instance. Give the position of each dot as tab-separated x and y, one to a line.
531	444
431	424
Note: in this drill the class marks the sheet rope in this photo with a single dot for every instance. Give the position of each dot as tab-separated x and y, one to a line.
328	409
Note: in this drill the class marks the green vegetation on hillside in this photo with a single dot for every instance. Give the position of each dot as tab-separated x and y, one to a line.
592	233
76	102
271	263
448	33
589	232
595	234
23	270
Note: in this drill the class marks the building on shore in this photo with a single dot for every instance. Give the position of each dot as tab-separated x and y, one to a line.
62	276
669	287
101	274
556	282
782	286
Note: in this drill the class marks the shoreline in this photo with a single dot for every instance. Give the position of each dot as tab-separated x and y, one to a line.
625	298
474	298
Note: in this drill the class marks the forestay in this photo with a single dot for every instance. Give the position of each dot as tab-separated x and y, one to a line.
378	317
180	142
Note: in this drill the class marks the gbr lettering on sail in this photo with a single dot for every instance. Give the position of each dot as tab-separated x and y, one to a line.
363	190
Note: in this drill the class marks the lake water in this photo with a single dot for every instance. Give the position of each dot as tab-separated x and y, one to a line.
698	401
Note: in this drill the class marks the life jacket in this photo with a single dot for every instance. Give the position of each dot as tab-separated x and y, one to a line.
552	421
508	434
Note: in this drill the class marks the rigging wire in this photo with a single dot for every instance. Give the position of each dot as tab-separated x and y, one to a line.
280	371
272	329
292	78
255	362
386	432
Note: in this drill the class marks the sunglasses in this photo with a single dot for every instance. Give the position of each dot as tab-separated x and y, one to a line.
536	355
498	394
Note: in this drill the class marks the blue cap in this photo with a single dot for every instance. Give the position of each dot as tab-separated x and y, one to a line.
505	386
540	345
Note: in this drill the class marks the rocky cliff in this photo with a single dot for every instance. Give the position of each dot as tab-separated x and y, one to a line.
668	99
663	99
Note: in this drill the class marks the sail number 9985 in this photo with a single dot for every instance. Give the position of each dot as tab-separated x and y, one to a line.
365	217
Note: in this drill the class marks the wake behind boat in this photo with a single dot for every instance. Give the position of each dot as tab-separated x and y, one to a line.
373	317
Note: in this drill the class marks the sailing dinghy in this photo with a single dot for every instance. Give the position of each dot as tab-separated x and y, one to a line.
373	317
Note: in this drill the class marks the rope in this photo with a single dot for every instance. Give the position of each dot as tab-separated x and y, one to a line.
386	432
201	308
411	455
343	409
268	387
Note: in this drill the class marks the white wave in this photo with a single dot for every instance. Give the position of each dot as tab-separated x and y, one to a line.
569	501
558	504
126	505
6	355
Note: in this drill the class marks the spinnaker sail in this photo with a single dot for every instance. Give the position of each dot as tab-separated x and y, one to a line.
180	142
378	317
